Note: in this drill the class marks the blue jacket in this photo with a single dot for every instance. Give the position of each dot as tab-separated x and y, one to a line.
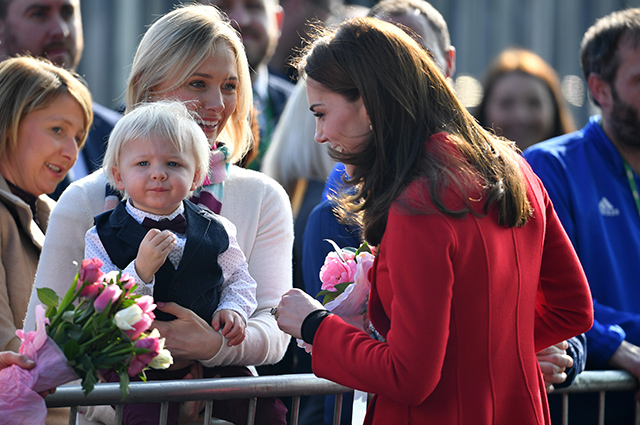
585	177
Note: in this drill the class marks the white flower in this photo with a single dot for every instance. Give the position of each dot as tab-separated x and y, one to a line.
164	359
111	277
126	318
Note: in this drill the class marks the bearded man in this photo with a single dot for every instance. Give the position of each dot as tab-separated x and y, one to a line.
592	178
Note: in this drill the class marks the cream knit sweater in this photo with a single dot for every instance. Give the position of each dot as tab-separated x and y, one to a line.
253	202
261	212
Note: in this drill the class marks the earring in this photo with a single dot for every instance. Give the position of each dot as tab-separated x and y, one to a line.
370	127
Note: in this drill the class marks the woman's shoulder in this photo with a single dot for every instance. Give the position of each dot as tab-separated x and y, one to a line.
244	176
86	194
91	183
254	202
46	201
244	182
44	207
6	213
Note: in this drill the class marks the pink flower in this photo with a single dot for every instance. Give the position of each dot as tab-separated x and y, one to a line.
90	271
139	362
334	271
127	281
147	306
91	290
109	295
145	302
351	305
139	327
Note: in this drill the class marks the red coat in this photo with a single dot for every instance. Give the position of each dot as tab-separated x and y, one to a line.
464	305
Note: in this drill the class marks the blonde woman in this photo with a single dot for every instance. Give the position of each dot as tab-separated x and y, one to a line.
192	54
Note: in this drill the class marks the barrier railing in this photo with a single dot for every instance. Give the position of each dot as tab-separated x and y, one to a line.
201	389
601	382
281	386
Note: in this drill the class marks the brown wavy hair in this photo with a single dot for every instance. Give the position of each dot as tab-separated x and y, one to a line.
408	101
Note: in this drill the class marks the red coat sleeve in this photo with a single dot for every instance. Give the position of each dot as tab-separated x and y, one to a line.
407	367
564	305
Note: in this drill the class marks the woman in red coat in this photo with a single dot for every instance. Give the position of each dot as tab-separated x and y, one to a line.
474	273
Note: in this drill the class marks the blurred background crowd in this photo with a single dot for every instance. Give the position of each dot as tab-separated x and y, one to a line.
480	29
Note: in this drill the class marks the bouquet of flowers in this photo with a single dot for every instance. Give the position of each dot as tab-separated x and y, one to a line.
345	285
99	325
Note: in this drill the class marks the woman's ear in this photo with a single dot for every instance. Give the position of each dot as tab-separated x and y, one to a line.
365	114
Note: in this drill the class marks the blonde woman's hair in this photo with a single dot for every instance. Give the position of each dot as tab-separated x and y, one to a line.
28	84
168	120
174	47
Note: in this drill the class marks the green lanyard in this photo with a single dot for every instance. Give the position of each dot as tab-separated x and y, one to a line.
632	184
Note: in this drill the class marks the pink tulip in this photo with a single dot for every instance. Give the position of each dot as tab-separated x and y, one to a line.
89	271
140	326
147	306
92	290
109	295
139	362
127	281
145	302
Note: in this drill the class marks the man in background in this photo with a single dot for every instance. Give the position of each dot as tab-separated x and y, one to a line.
53	29
298	14
592	178
260	22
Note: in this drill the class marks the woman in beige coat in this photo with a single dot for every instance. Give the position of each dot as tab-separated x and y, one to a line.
45	114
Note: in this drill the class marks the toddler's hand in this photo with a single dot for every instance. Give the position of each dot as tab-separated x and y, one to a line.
153	252
231	325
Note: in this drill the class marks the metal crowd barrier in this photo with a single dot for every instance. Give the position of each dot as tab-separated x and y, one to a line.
282	386
201	389
601	382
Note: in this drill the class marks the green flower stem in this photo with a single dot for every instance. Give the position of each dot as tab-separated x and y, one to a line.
103	335
87	324
92	340
59	332
58	317
111	346
126	350
71	295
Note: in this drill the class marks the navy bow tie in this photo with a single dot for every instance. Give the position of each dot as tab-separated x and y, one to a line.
177	224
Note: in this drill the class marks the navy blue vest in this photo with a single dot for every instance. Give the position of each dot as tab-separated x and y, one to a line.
196	283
